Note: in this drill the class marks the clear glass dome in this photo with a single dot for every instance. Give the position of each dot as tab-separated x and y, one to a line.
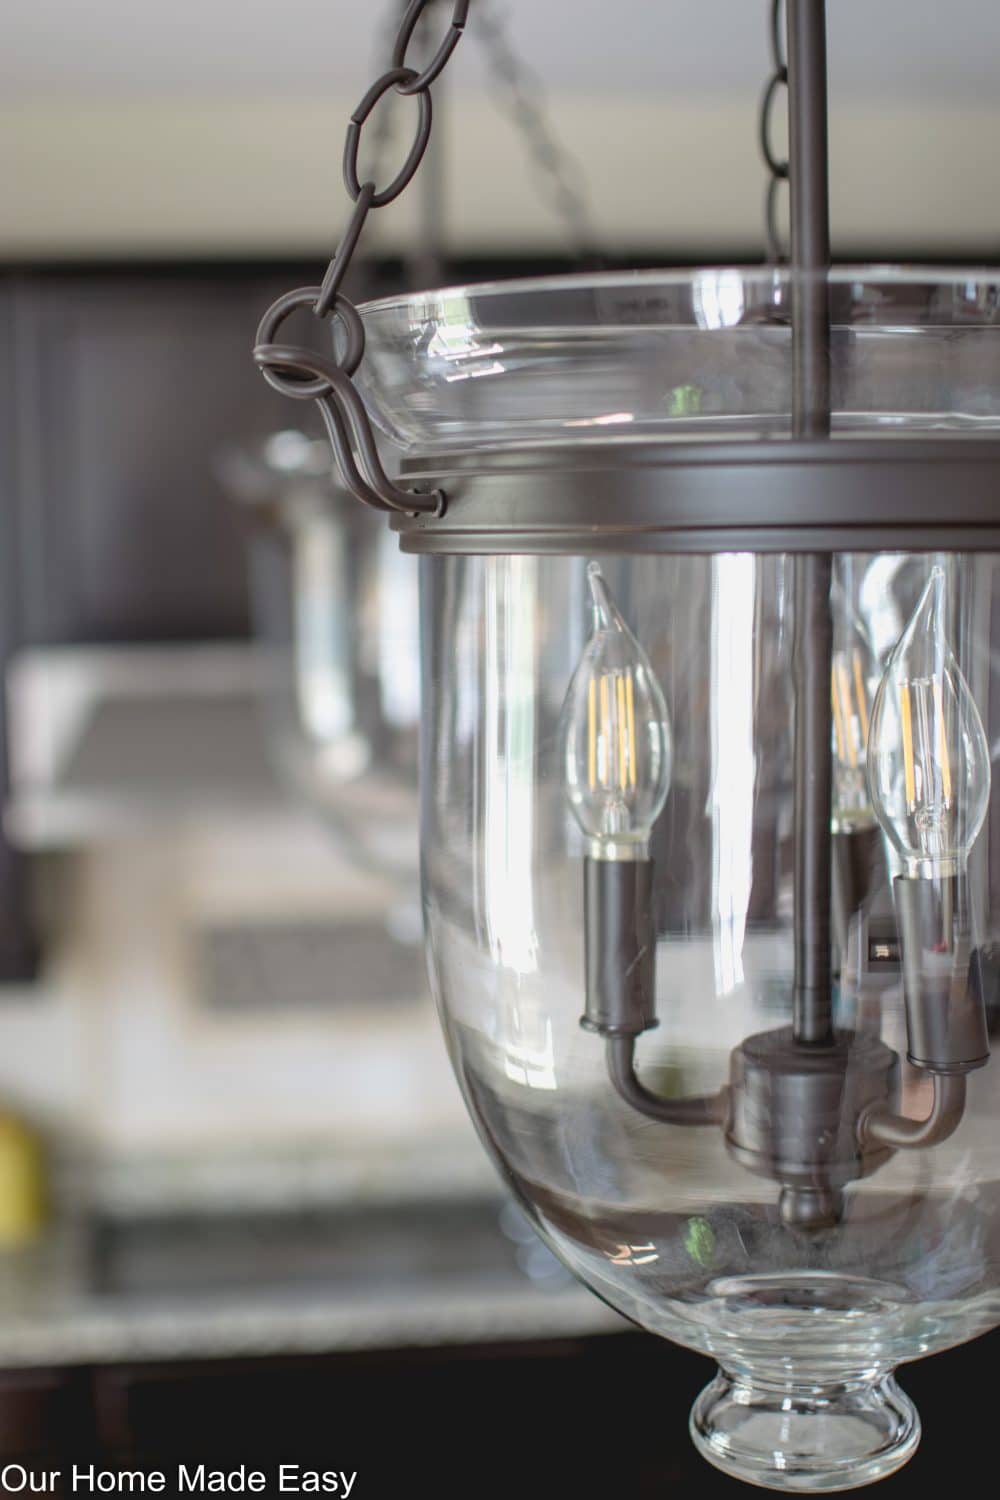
336	615
732	1193
678	354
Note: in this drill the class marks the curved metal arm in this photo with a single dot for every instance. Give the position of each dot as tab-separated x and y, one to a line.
878	1126
697	1109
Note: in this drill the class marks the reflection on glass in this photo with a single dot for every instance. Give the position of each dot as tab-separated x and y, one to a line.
509	767
733	760
852	683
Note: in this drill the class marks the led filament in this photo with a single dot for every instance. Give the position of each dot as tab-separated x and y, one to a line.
929	765
616	735
611	746
929	791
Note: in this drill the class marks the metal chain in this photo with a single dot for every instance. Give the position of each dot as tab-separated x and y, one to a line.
519	90
777	166
383	125
327	379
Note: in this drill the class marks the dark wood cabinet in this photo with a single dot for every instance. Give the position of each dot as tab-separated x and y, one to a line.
582	1417
126	387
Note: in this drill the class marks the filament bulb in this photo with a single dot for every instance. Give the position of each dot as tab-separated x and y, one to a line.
852	683
617	736
928	759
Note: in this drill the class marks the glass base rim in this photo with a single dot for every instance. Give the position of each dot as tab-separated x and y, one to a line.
845	1436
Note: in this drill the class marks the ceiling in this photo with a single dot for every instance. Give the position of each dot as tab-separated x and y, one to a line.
908	48
215	126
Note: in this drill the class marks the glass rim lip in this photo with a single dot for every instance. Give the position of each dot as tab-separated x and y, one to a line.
875	274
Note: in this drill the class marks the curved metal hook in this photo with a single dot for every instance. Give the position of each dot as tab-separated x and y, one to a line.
321	380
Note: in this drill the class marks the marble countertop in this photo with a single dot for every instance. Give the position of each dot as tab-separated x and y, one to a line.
55	1322
330	1253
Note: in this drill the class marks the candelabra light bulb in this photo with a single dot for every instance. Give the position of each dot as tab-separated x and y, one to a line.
616	735
928	758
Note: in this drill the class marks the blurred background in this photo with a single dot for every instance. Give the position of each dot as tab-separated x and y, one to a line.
242	1211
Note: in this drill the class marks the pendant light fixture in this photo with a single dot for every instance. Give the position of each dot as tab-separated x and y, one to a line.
674	778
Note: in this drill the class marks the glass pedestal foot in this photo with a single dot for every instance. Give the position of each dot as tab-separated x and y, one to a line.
804	1438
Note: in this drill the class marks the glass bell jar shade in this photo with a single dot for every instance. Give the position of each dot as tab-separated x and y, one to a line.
336	619
711	877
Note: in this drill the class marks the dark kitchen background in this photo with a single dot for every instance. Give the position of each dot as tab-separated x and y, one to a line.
243	1216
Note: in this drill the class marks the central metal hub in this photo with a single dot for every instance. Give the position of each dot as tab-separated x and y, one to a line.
793	1116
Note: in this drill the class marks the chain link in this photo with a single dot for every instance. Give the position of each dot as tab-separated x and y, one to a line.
327	379
453	36
777	166
395	78
337	269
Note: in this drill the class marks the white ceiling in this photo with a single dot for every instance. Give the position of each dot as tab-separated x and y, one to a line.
913	48
215	126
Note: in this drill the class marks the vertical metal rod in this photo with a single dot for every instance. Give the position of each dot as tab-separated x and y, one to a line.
810	216
812	1014
813	652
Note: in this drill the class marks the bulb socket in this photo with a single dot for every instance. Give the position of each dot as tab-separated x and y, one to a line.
620	946
946	1028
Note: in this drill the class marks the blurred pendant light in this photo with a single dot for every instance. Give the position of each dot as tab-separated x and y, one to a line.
659	514
336	625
